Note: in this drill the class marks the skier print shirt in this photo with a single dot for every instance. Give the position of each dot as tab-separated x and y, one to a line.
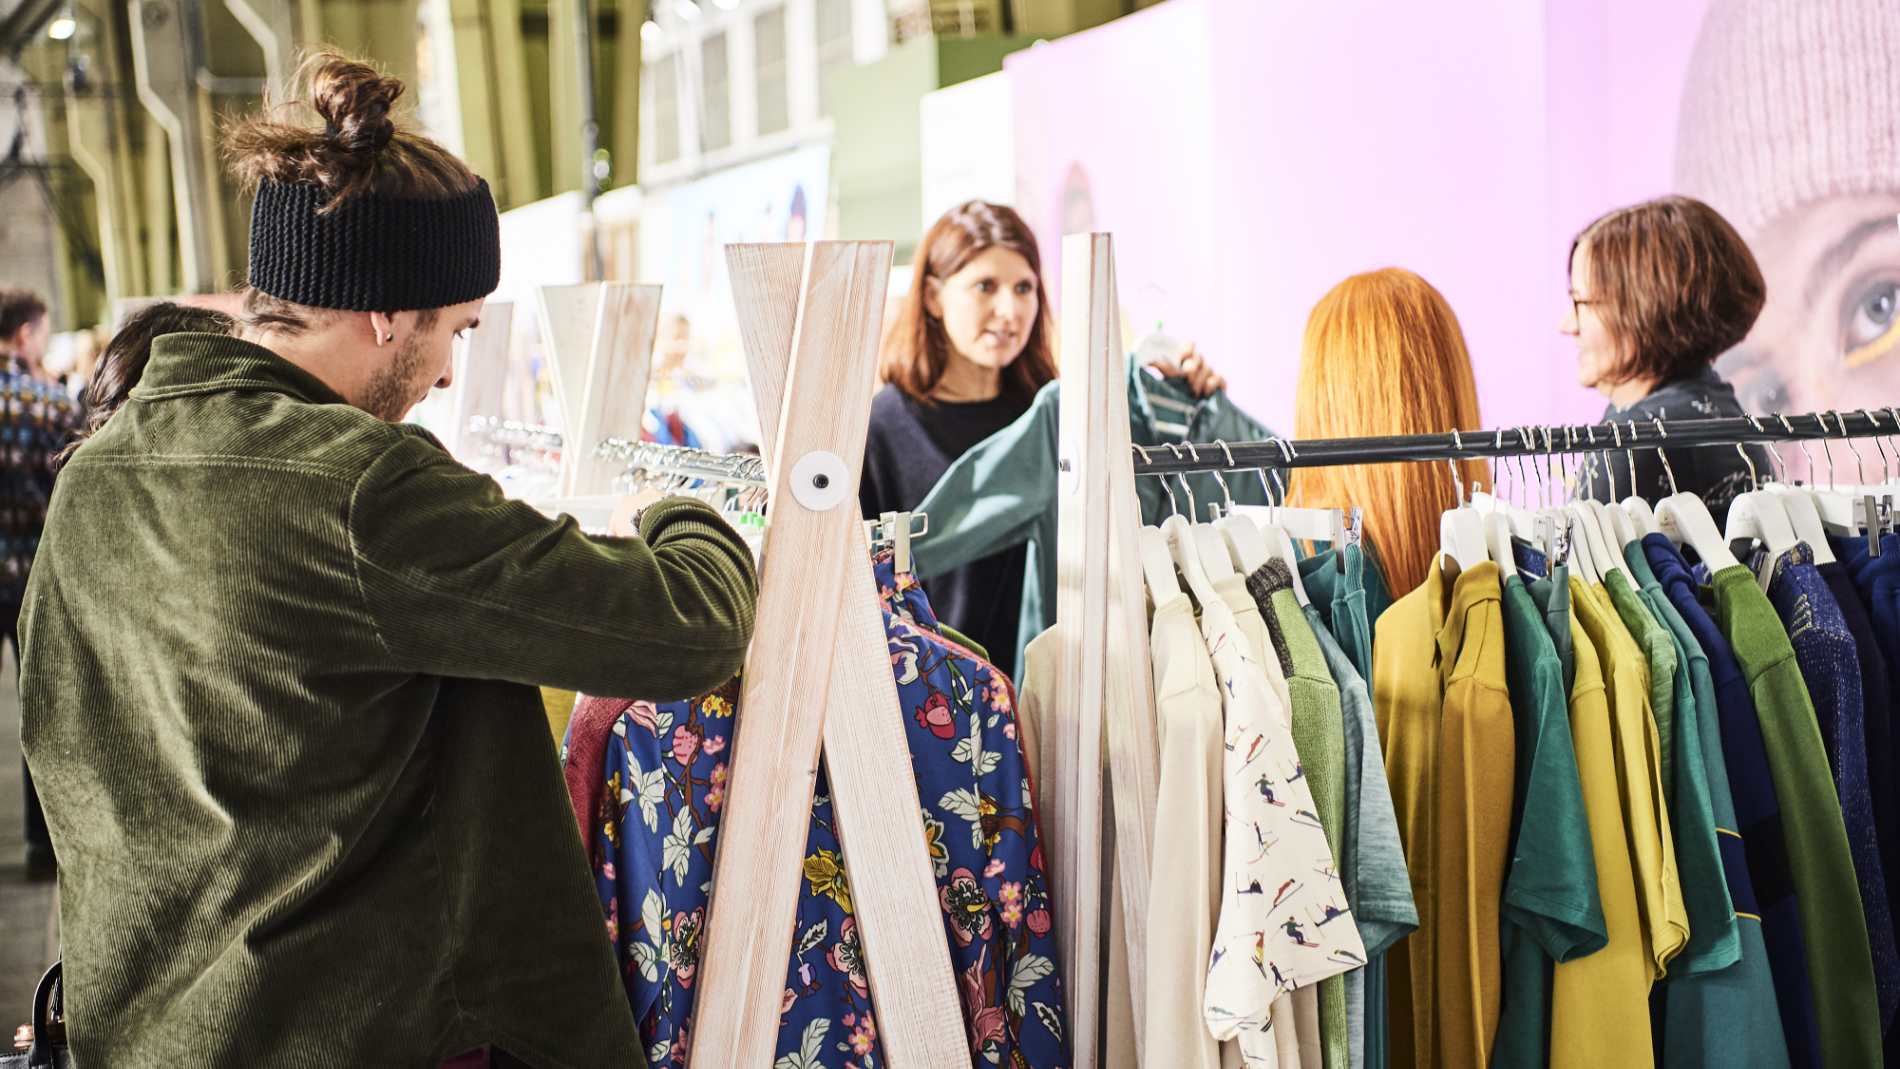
657	830
1284	922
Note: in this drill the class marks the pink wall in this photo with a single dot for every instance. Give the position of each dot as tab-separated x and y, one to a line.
1466	142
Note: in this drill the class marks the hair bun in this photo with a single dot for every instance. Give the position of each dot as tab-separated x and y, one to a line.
354	100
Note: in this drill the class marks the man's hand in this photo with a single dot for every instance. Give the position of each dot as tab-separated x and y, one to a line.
1202	380
621	524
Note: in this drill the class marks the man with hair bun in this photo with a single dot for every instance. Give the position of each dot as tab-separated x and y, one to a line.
280	656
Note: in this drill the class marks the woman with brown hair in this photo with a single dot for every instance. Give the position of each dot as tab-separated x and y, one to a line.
970	348
1658	291
965	357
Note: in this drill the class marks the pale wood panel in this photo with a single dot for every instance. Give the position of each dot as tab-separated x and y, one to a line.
765	288
1133	754
614	398
567	337
806	623
484	370
1082	583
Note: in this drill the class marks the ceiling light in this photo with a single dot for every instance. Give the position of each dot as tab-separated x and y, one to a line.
61	28
687	10
651	33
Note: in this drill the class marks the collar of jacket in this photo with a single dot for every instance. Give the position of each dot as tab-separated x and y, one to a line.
188	364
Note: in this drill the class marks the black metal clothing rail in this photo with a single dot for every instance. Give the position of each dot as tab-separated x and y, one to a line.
1515	442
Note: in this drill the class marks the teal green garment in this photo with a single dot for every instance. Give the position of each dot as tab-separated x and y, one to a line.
1377	885
1727	1017
1551	911
1714	942
278	671
1349	590
1833	928
1002	493
1552	596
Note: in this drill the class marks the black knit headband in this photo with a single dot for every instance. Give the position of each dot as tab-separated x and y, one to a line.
374	253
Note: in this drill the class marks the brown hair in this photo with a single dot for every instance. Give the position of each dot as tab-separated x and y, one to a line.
1674	284
1383	354
18	308
916	349
359	148
122	363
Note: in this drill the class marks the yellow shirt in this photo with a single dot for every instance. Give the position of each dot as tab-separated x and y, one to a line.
1445	723
1600	1003
1639	758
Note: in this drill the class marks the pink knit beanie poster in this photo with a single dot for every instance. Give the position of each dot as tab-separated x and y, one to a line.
1790	101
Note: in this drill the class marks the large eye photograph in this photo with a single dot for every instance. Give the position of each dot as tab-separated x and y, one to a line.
1869	330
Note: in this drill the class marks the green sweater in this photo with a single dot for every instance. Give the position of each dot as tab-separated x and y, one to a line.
277	674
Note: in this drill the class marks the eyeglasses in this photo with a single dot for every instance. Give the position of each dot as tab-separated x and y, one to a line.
1576	305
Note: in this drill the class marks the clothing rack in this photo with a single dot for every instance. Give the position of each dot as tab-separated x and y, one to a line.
1282	453
732	469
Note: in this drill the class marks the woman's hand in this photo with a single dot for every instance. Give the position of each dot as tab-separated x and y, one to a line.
1189	365
621	524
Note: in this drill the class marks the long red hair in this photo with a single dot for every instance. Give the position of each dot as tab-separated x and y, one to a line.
916	349
1383	354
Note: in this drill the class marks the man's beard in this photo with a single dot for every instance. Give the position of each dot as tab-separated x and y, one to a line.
391	392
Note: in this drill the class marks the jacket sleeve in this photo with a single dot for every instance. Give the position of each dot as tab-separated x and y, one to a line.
992	497
460	581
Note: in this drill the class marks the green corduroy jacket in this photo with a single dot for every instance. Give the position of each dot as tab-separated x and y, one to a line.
277	676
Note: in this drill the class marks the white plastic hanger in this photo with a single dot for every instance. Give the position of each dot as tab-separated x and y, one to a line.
1641	515
1684	518
1461	529
1497	539
1582	559
1805	518
1276	536
1187	558
1606	559
1157	564
1249	549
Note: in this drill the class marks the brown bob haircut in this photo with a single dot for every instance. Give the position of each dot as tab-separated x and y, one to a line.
1674	284
916	349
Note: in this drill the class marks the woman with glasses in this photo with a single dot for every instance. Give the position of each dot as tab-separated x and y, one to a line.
1658	291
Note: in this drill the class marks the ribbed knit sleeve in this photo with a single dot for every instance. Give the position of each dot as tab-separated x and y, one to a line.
461	581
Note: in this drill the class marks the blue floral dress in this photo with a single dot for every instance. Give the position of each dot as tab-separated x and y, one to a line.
657	830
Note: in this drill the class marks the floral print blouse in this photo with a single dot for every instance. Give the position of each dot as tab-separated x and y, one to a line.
657	830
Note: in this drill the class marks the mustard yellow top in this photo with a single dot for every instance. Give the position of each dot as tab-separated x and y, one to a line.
1599	1005
1445	721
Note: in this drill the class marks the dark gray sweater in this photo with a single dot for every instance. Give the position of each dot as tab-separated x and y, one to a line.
1715	473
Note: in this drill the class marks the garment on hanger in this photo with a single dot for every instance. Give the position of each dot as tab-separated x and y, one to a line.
1551	907
1445	718
1351	594
1726	1018
1830	667
1183	904
1600	1002
667	782
1552	597
1833	928
1318	723
1763	856
1371	857
1877	716
1284	922
1002	493
1713	944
